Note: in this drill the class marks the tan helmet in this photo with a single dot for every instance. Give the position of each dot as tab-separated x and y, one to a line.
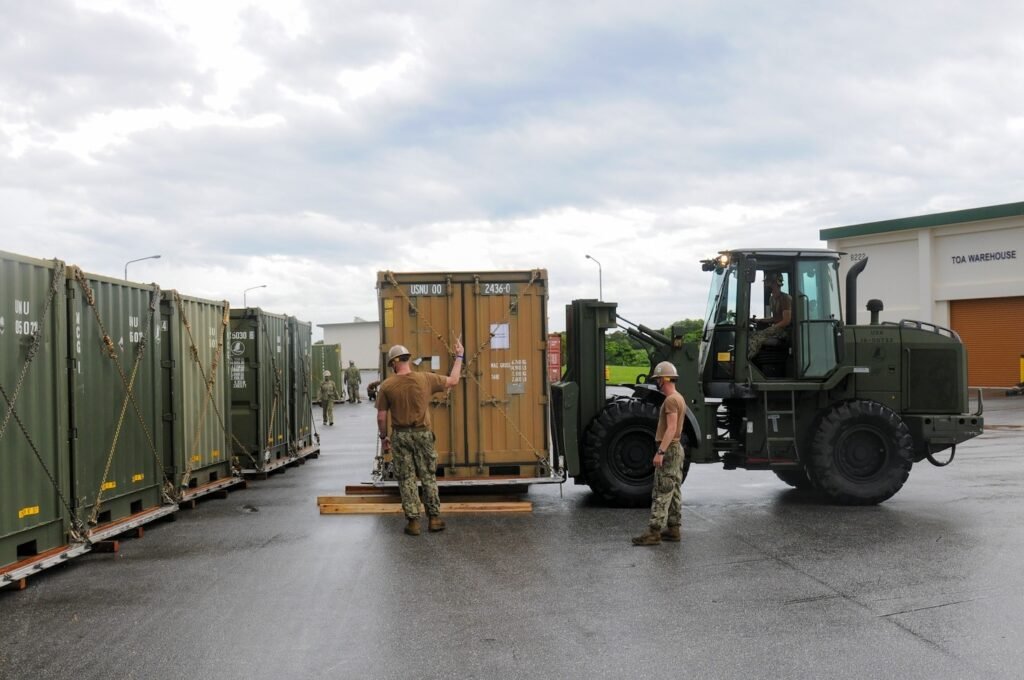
327	374
665	369
397	352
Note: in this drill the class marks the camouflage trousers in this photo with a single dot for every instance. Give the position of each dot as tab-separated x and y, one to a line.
758	338
328	406
414	456
666	496
353	391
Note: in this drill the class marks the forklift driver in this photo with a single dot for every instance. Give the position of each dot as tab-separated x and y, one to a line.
781	306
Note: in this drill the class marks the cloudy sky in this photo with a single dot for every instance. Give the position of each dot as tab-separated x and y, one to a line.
307	144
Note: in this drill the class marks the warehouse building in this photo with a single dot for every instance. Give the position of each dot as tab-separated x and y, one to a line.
359	340
962	270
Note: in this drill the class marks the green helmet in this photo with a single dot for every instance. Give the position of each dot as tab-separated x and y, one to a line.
665	369
398	352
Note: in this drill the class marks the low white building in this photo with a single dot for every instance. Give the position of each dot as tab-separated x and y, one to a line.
962	270
359	340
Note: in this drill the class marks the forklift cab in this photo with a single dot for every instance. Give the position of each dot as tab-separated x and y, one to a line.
740	309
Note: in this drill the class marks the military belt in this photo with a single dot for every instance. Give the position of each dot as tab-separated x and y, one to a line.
420	428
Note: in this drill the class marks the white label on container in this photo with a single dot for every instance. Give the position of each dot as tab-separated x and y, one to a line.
426	289
238	373
496	289
499	336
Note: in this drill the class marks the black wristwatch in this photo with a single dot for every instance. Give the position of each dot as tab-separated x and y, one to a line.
382	436
659	452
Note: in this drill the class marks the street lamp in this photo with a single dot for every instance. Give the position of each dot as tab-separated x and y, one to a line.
244	301
150	257
600	285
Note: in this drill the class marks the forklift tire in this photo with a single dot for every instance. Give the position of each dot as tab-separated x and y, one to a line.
861	453
796	478
618	452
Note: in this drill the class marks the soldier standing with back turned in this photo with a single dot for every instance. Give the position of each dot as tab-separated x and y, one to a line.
352	380
406	396
666	497
328	393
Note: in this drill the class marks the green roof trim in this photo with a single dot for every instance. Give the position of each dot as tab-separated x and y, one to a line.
991	212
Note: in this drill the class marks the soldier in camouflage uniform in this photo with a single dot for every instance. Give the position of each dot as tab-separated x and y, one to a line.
666	497
328	393
406	397
781	306
352	380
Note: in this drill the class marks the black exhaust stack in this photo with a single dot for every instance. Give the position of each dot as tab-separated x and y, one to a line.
851	291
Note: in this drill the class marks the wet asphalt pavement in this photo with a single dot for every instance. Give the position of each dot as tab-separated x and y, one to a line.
767	583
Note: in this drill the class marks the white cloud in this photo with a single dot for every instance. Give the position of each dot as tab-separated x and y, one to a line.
310	143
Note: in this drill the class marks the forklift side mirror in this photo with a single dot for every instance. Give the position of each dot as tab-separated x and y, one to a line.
751	269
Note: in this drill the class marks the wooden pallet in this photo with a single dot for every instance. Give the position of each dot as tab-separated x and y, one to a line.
391	504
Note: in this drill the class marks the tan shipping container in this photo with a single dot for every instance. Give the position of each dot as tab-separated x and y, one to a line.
493	425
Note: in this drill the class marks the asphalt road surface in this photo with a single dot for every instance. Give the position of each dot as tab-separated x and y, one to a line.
767	583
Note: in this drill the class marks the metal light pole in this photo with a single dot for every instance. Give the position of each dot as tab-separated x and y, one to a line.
245	302
150	257
600	284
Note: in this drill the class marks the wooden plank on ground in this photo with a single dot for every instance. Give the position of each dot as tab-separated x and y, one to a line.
387	498
389	507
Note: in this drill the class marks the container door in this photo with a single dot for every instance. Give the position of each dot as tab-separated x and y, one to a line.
506	374
425	316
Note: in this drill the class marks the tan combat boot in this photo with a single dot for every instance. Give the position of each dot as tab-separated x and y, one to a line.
413	527
436	524
671	533
649	537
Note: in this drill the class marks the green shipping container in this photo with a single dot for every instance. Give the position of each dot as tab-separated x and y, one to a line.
259	356
116	416
34	481
326	358
300	365
196	407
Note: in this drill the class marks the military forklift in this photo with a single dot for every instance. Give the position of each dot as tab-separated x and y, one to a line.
840	408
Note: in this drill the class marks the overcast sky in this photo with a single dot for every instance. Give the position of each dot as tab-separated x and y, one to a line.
307	144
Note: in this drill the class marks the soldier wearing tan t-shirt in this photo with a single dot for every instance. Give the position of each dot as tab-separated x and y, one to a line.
406	397
666	497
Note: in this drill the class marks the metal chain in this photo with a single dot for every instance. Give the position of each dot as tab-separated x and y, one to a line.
544	462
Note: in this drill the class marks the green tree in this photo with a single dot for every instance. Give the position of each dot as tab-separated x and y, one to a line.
692	329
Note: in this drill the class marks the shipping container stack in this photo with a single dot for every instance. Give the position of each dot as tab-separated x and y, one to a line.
119	401
492	427
268	433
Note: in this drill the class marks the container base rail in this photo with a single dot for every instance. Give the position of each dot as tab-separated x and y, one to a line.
1015	391
17	574
131	522
190	495
311	451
